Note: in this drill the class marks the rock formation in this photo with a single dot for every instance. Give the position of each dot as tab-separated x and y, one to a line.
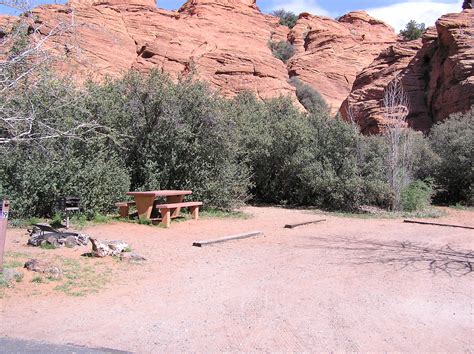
224	41
331	53
437	74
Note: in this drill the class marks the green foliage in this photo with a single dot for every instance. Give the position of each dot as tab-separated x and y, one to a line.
47	246
282	50
156	133
37	279
309	97
299	159
178	136
287	18
413	30
452	140
35	175
417	196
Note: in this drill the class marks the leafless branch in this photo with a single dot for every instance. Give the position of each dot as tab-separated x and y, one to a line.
21	70
400	141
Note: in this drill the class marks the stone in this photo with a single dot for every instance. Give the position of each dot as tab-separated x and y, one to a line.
132	258
70	242
52	240
11	275
107	248
56	239
225	43
44	267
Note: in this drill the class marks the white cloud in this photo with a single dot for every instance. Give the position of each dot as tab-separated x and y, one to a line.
299	6
397	15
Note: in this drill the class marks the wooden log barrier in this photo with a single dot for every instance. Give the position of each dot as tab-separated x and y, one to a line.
292	226
437	224
227	238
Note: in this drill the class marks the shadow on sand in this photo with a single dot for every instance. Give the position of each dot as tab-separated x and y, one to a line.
402	254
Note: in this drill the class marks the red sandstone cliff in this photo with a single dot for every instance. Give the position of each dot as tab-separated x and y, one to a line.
226	43
437	73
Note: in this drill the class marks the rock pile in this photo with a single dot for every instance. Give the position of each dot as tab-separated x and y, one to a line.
55	238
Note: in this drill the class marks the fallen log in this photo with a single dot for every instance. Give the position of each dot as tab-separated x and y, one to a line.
227	238
437	224
292	226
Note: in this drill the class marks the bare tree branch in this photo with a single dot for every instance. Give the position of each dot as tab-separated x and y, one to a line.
399	159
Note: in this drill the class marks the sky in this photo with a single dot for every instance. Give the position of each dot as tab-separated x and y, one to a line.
394	12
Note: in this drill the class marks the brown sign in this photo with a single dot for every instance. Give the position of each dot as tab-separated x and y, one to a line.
4	209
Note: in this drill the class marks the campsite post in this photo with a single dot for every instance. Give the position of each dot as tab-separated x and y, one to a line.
4	208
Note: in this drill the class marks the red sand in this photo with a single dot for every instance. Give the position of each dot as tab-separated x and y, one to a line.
314	288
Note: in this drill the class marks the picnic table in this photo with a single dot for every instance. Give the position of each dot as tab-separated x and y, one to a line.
144	201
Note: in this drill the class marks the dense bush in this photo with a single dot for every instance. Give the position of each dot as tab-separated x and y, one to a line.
306	159
34	175
178	136
156	133
309	97
452	140
417	196
287	18
413	30
282	50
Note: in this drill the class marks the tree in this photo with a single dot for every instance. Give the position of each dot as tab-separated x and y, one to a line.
282	50
287	18
400	140
309	97
24	62
413	30
452	140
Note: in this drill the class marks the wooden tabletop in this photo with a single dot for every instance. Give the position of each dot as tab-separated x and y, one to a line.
162	193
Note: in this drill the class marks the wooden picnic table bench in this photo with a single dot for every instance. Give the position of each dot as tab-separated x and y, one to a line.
124	208
145	202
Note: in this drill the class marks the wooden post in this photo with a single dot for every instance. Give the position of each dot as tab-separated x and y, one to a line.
195	212
175	199
166	217
4	209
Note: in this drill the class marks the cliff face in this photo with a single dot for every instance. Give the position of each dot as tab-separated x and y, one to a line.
331	53
224	41
437	74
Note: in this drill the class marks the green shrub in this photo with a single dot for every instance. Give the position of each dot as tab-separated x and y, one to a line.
282	50
417	196
156	133
452	140
309	97
287	18
300	159
178	136
413	30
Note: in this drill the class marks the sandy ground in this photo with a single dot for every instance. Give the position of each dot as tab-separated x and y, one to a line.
346	284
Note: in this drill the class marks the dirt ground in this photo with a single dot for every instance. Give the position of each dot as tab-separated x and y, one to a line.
346	284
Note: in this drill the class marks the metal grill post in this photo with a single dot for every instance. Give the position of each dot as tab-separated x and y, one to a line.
4	209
